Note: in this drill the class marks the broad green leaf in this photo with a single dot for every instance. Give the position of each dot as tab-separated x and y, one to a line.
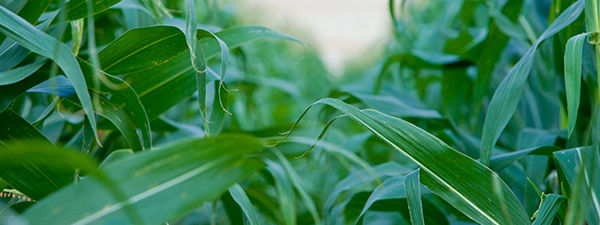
21	167
413	195
456	178
394	189
37	41
18	74
238	194
35	181
77	9
77	34
161	185
30	10
573	54
155	61
506	98
14	128
582	162
550	205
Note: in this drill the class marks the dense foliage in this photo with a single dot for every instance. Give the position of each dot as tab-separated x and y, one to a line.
170	111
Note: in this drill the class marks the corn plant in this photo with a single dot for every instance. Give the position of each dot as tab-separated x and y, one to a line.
178	112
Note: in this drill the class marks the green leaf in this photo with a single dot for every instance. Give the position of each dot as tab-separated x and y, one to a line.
14	128
392	188
117	116
509	92
123	99
161	185
238	194
501	161
297	182
361	177
18	74
413	195
285	193
37	41
550	205
573	55
155	61
116	155
77	9
30	167
582	162
456	178
22	173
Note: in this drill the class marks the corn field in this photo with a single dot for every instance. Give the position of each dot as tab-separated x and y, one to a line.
178	112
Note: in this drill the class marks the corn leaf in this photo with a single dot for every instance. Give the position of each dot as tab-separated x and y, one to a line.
41	43
160	185
456	178
155	61
573	54
77	9
582	162
548	209
413	195
238	194
506	97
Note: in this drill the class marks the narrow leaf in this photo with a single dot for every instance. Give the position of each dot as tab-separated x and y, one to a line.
509	92
413	195
548	209
161	185
456	178
41	43
573	55
238	194
18	74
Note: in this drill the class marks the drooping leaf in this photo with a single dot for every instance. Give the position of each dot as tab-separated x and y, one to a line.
41	43
456	178
582	162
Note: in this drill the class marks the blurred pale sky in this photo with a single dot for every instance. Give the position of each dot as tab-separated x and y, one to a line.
339	29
